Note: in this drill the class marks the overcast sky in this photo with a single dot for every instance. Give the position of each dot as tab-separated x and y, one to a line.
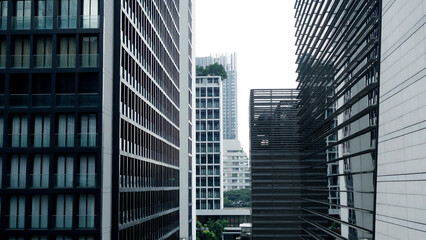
262	35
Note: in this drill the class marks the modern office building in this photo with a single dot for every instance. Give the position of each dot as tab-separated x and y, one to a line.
279	177
338	74
229	94
95	134
236	166
209	144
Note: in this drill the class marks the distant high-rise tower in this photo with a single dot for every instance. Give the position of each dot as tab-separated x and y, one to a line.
209	195
229	94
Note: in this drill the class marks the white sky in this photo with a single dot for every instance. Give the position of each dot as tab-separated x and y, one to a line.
262	35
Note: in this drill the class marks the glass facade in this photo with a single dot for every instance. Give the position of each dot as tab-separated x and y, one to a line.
50	154
338	79
208	150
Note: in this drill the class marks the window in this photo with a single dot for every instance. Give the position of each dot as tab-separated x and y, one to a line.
1	170
39	211
86	211
41	131
88	130
64	171
63	238
1	131
40	177
87	174
67	51
89	51
68	14
43	48
3	14
18	171
2	50
17	211
21	53
90	18
22	17
43	18
64	212
66	126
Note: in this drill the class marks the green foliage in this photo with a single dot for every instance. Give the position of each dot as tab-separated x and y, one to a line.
212	70
237	198
207	235
212	230
217	227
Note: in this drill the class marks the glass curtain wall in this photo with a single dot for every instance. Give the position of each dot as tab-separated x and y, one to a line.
89	51
43	18
1	131
87	174
3	52
18	171
39	211
17	211
22	17
90	17
65	171
3	14
67	51
67	14
43	48
42	131
86	211
21	53
19	131
66	126
88	130
40	177
64	211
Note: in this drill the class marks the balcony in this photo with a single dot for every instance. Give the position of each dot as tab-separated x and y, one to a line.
65	139
86	180
43	22
89	21
41	100
19	100
63	221
20	61
17	180
16	221
88	139
43	61
41	140
66	60
88	99
64	180
65	100
86	221
21	23
38	221
39	180
19	140
89	60
67	22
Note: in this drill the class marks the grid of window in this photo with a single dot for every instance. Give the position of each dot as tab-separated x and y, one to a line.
208	143
50	84
149	120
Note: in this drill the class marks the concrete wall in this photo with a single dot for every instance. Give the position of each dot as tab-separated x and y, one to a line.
401	185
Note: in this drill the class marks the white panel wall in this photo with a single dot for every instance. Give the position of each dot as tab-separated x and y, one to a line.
401	181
